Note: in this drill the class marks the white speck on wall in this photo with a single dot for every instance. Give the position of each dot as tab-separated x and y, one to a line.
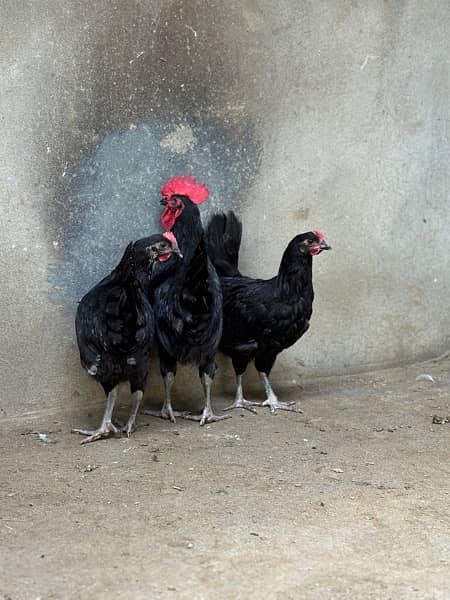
55	244
180	140
191	29
363	65
138	55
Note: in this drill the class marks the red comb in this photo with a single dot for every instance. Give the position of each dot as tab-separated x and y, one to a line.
185	186
172	239
320	234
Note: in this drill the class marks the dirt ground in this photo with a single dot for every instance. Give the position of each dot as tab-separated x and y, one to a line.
348	500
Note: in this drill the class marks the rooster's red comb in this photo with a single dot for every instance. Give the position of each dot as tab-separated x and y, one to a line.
320	234
185	186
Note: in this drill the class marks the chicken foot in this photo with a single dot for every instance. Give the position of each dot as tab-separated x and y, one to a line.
107	427
272	399
131	424
239	400
207	416
166	411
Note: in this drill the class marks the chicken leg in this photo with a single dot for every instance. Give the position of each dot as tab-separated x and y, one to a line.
106	427
131	424
272	399
166	411
207	416
239	400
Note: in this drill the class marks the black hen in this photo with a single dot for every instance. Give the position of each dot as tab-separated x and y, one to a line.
115	329
188	303
262	317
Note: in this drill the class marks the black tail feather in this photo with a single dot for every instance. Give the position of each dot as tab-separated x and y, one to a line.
126	267
223	239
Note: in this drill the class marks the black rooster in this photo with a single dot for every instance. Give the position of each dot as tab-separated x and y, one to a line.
262	317
115	329
188	303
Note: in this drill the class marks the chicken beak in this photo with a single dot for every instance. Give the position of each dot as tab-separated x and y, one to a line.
324	245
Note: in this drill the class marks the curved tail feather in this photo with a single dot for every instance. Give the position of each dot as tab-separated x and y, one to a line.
223	239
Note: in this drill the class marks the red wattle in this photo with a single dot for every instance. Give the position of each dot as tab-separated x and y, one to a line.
169	217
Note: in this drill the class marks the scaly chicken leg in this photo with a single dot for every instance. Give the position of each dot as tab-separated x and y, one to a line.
166	411
239	400
272	399
207	415
106	427
131	424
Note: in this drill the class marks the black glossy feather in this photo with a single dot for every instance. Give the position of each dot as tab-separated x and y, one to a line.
115	328
187	300
261	317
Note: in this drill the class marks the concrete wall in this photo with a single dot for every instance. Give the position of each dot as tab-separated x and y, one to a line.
298	114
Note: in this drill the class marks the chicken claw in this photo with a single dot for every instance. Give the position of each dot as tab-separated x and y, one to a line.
243	403
271	398
130	426
275	405
105	430
207	416
165	413
239	400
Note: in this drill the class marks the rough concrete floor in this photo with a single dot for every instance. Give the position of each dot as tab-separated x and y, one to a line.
348	500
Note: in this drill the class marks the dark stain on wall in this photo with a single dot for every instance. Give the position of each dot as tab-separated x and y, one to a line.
157	94
113	196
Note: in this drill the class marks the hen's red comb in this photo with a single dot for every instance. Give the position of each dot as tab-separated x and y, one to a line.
320	234
185	186
172	239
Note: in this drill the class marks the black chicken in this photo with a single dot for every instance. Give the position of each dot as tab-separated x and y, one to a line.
115	329
262	317
188	303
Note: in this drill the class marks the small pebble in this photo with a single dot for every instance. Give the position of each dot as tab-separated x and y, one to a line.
425	377
46	438
89	468
438	420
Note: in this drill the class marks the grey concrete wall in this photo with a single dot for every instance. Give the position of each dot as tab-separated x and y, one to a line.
298	114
